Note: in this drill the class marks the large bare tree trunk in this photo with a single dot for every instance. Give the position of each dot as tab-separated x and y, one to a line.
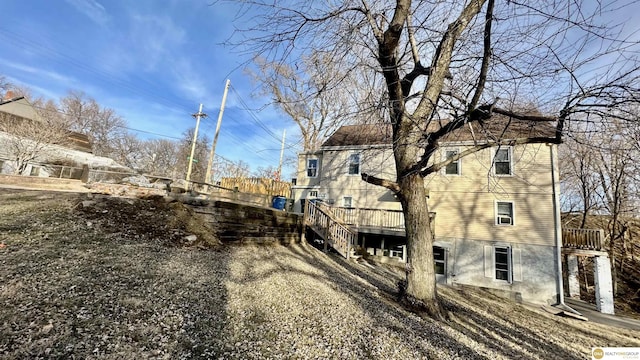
421	279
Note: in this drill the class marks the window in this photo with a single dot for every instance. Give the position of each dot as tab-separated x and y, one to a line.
502	256
439	260
35	171
312	167
502	161
454	167
347	201
354	164
313	193
503	263
504	213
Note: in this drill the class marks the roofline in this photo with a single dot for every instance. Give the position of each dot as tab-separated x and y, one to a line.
2	102
356	147
388	145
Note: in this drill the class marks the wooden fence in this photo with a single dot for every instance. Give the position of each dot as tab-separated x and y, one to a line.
263	186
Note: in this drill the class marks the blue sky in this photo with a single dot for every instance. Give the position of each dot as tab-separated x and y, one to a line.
152	61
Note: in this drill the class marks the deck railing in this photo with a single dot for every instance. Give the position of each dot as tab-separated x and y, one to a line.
587	239
334	233
371	218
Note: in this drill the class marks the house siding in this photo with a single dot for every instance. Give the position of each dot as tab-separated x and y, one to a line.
465	207
537	265
465	204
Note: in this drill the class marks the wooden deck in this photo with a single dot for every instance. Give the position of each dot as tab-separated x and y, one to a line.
340	226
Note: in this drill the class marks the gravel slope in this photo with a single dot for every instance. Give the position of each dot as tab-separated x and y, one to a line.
69	289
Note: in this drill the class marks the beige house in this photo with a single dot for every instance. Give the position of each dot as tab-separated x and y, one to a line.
494	210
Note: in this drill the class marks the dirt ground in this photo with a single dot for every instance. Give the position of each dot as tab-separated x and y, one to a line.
107	278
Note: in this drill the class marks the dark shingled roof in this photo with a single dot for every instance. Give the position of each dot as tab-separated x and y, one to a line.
499	127
371	134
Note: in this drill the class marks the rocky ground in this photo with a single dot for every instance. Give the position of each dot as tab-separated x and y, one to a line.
128	280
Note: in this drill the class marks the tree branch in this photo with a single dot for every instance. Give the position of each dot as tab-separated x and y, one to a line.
486	57
391	185
442	58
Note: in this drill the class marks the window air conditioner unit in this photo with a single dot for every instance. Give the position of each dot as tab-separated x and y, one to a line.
503	219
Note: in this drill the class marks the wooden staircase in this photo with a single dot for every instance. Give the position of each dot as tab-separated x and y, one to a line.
332	230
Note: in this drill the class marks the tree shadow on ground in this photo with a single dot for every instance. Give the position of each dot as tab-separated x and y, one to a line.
481	319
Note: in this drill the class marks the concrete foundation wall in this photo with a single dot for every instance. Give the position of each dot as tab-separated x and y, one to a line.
536	264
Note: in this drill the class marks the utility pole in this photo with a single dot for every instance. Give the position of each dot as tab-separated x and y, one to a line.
284	133
195	139
208	176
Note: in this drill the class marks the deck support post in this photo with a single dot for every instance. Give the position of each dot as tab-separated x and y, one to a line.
573	278
603	284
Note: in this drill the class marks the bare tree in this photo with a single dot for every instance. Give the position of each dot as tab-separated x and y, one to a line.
578	160
309	93
268	172
451	66
102	125
4	86
161	157
231	169
128	150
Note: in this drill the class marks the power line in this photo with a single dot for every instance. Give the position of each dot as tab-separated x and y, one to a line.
109	77
253	116
57	110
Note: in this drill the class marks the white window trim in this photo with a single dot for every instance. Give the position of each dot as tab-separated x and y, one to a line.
359	164
493	160
514	260
445	254
509	263
306	170
347	196
444	158
495	213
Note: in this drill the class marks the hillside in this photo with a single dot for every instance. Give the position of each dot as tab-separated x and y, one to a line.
116	279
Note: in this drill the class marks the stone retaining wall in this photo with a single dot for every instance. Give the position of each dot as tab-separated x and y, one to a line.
244	223
125	190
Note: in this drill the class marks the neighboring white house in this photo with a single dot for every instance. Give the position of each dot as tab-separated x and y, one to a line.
495	224
77	150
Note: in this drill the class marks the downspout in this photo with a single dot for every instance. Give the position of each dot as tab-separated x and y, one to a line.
557	226
558	231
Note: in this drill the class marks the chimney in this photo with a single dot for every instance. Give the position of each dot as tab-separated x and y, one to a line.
8	95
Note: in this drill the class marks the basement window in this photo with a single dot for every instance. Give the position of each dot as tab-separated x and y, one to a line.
439	259
502	263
